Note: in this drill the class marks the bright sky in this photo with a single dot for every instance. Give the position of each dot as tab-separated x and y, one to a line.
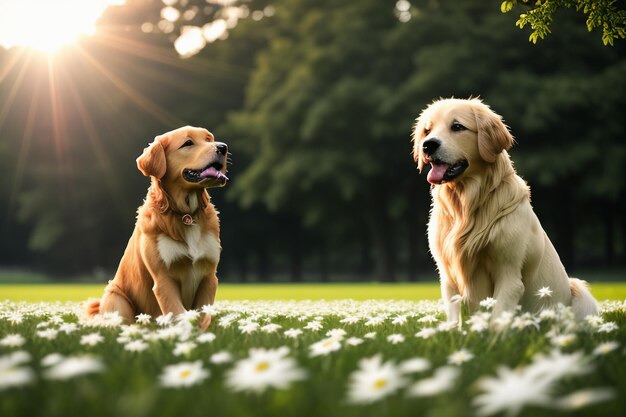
48	25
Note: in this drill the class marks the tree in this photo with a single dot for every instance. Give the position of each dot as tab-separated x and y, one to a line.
606	14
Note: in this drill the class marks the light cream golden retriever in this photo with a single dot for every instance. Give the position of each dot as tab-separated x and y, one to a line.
483	233
170	263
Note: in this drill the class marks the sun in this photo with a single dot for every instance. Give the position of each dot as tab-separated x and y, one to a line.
49	25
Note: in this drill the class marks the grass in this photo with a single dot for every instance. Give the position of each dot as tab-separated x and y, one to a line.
129	382
360	291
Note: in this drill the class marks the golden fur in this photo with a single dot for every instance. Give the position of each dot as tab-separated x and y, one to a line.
483	234
169	266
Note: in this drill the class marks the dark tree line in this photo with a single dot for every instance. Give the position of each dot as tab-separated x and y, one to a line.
316	101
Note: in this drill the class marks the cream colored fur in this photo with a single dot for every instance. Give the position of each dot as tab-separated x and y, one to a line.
483	233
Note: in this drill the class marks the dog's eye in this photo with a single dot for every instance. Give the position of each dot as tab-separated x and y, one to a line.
457	127
188	143
426	132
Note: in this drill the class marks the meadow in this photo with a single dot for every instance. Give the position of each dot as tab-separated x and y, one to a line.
309	350
36	292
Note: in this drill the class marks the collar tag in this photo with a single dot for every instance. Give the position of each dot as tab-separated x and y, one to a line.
187	219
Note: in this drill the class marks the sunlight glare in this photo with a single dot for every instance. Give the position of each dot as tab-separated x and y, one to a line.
48	25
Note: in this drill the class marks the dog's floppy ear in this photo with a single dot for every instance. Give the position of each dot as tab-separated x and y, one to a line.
152	160
493	135
418	135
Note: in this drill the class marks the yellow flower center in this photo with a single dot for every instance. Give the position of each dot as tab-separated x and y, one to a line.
185	373
380	383
262	366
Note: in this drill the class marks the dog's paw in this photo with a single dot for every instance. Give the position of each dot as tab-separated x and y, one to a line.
205	322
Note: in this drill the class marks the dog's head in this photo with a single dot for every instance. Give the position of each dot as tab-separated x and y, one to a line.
187	157
457	136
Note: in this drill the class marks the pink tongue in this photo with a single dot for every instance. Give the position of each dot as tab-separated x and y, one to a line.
436	173
212	172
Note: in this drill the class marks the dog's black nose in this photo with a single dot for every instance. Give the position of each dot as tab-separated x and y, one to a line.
430	146
221	148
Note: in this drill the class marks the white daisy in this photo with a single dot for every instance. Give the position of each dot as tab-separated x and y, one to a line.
68	328
557	365
414	365
271	328
293	333
314	325
428	318
547	314
563	340
338	334
459	357
374	380
210	310
395	338
370	335
74	366
584	398
442	380
221	357
136	346
510	391
249	327
426	332
479	322
15	318
143	318
544	292
11	373
604	348
49	334
52	359
206	337
262	369
350	320
14	359
607	327
324	347
188	316
488	303
91	339
183	374
594	321
376	320
184	348
12	340
165	320
354	341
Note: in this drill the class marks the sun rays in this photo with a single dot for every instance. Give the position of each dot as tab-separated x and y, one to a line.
53	101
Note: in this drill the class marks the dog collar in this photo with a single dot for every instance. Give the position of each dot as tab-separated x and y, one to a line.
188	219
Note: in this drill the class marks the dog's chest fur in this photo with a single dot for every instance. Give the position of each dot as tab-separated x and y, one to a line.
190	261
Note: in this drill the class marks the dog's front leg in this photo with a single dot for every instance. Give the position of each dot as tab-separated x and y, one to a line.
167	293
452	300
206	295
508	291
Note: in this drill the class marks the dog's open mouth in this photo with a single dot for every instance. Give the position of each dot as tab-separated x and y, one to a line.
441	172
210	172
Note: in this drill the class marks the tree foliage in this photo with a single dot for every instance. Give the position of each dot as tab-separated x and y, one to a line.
607	15
316	99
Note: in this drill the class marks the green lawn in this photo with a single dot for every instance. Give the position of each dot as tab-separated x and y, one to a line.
359	291
340	358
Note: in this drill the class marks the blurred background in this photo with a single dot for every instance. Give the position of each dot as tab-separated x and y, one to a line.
316	100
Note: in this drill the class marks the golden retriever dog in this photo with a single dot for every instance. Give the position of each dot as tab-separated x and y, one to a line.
170	263
483	233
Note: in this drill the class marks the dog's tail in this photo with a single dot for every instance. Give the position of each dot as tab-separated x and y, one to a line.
92	307
583	302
